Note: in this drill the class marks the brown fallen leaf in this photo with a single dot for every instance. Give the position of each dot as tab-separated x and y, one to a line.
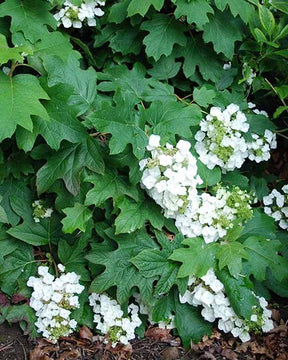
38	354
86	333
170	353
157	333
229	354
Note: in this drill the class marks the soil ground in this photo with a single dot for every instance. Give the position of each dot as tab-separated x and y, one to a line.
157	345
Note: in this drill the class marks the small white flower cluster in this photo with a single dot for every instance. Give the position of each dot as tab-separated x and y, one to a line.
276	205
53	299
39	211
211	216
209	293
110	320
74	16
170	178
170	175
221	142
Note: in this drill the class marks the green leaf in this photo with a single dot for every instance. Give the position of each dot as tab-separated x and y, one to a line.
263	254
25	315
196	11
154	262
118	12
235	178
190	323
266	18
171	118
280	5
237	7
259	36
109	185
260	225
223	32
279	111
84	314
240	293
141	7
165	68
259	187
198	54
196	259
20	100
163	307
164	33
230	254
134	215
204	95
133	85
209	177
15	196
76	218
28	16
69	72
128	277
123	124
72	254
18	264
37	234
126	40
7	53
63	124
7	244
68	163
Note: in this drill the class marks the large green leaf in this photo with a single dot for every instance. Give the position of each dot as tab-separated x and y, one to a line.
7	244
164	33
196	11
171	118
209	176
128	277
264	254
154	262
76	218
69	72
141	7
223	31
28	16
260	225
200	55
37	234
237	7
134	215
230	254
25	315
197	258
20	100
68	163
239	291
190	323
109	185
123	124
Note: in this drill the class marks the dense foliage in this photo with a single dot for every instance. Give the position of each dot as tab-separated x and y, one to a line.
79	102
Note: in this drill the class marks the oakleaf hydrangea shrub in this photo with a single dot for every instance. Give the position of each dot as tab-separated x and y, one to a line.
142	145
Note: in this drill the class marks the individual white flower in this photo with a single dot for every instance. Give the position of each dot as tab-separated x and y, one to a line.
227	66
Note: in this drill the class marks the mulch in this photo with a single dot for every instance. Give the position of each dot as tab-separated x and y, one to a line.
158	344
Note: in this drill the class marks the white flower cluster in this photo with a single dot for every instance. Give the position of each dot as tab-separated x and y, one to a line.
209	293
110	320
39	211
276	205
170	178
221	142
211	216
53	299
170	175
74	16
